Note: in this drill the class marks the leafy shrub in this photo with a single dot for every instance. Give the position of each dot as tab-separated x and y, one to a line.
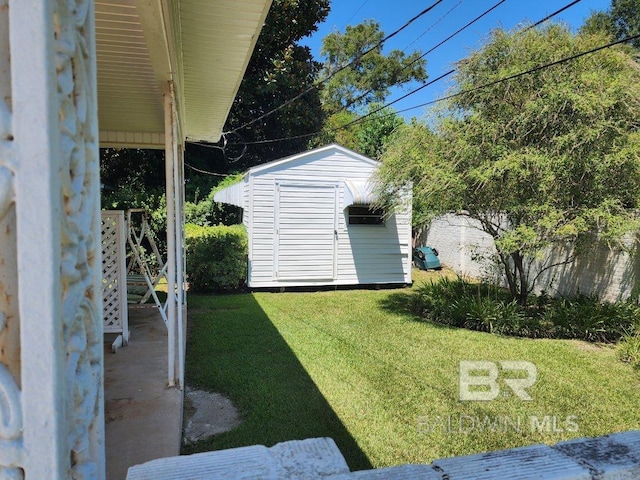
483	307
216	257
587	318
208	212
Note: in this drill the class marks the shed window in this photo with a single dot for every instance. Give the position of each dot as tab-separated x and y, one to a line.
365	215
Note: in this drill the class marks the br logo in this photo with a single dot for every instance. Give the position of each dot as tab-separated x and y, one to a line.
479	379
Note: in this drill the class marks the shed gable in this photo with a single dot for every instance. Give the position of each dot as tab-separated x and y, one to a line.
296	212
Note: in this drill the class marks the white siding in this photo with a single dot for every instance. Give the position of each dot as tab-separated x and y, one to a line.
304	232
261	230
363	253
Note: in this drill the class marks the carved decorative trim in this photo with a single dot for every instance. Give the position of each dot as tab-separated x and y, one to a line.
80	249
11	445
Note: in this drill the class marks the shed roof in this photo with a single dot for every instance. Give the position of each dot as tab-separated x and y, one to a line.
328	149
358	191
202	46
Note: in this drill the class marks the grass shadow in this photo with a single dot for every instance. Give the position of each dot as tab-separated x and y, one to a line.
234	349
400	304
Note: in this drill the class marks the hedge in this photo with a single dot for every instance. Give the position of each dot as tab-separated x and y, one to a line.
216	257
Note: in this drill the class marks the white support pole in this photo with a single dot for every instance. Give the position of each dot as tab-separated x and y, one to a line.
184	245
57	201
38	213
179	229
170	160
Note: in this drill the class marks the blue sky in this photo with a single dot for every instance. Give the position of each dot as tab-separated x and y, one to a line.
439	23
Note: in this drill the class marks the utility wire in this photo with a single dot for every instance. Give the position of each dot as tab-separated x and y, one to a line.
360	119
331	75
460	30
373	112
557	12
207	172
462	92
433	25
551	15
539	22
486	12
354	13
521	74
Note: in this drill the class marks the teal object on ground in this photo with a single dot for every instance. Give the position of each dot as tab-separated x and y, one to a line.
426	258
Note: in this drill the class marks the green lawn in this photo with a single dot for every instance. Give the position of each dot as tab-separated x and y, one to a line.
355	365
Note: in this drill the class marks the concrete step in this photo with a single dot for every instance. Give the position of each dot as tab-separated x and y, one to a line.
611	457
295	460
525	463
401	472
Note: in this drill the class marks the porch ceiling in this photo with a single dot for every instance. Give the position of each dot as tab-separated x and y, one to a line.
202	45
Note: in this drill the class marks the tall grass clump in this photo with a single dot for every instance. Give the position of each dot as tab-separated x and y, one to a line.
629	348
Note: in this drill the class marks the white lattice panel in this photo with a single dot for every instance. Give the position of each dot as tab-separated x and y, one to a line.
114	280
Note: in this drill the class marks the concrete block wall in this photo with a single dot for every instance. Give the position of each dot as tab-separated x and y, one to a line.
611	274
461	245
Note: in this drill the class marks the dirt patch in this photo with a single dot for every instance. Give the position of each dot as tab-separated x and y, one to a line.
587	347
121	408
207	414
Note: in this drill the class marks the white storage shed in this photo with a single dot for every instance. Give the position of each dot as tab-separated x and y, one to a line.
310	223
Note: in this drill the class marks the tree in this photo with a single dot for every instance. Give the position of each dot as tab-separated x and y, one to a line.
279	70
550	158
371	75
622	20
377	130
367	135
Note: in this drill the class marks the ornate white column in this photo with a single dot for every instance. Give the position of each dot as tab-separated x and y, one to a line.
11	447
51	370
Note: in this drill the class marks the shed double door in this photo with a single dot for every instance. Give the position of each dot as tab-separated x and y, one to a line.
305	232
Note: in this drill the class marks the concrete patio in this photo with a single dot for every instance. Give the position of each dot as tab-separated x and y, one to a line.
143	417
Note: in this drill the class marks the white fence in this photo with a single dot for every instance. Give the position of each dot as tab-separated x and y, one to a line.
114	274
611	274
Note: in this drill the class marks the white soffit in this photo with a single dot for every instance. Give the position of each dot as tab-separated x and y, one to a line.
141	45
218	38
129	97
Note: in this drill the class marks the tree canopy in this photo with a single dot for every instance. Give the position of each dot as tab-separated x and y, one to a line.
548	158
367	134
280	69
369	76
622	20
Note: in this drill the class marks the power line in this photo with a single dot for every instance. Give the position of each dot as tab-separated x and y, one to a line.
462	28
207	172
433	25
327	78
358	120
373	112
423	86
354	13
462	92
360	97
521	74
539	22
551	15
